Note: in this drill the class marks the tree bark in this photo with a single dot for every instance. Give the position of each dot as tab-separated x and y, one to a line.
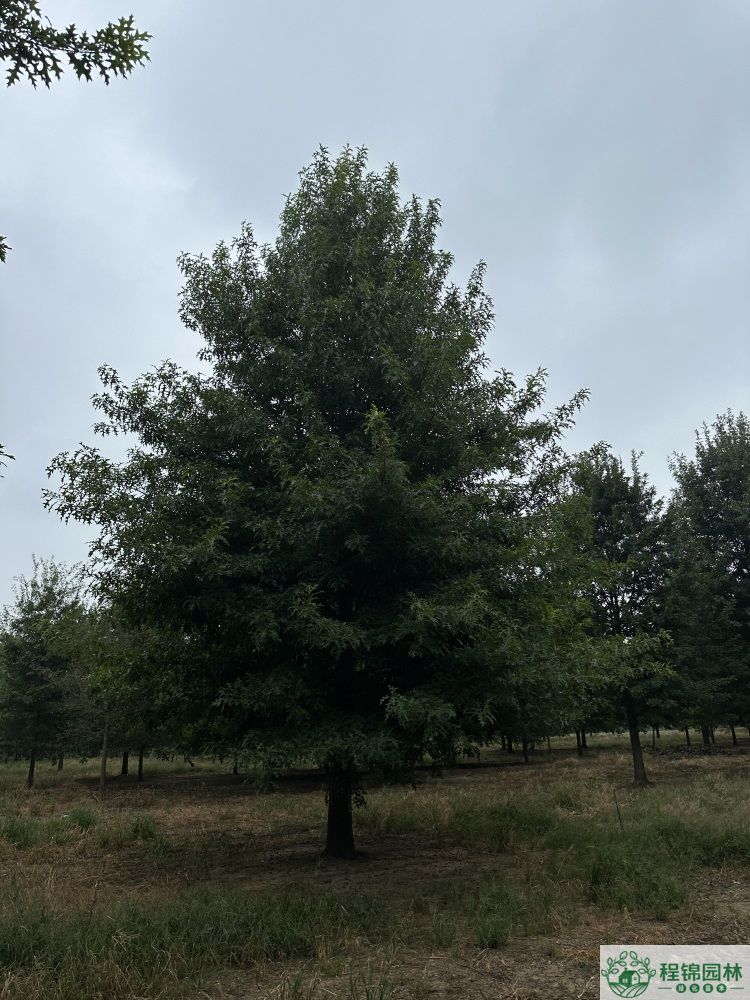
509	744
584	744
549	746
340	827
706	734
32	768
125	762
734	735
579	748
687	735
639	768
60	762
105	741
525	745
658	733
141	752
713	735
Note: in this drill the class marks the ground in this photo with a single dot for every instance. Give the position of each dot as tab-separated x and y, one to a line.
493	881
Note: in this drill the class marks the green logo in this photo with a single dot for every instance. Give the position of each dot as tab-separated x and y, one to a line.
627	975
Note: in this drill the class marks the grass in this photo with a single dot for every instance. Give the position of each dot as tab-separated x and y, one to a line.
116	950
171	891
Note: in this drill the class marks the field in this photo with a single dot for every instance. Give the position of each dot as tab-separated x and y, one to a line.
491	881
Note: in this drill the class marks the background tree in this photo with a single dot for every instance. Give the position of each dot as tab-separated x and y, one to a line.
327	515
35	661
627	569
709	599
33	48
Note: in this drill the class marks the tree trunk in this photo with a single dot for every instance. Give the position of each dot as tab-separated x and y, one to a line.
105	741
579	748
141	752
503	744
687	735
60	762
734	735
584	744
639	768
525	745
653	737
549	746
235	766
125	762
509	744
32	768
658	733
340	828
706	734
713	735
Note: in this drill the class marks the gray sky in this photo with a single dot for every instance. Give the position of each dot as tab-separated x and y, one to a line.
595	154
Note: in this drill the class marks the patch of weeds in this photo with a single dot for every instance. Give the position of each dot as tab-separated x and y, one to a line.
370	985
499	911
568	798
158	848
295	989
25	831
82	817
620	874
442	931
143	828
496	915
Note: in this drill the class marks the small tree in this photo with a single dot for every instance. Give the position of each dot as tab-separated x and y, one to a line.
709	598
35	660
327	515
627	569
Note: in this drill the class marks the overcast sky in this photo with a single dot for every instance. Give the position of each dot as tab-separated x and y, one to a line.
595	154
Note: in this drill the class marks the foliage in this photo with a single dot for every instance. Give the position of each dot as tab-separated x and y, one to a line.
35	49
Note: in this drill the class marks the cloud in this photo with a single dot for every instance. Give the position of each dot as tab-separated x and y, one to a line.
596	154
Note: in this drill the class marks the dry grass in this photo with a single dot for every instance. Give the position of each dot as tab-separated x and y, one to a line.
489	881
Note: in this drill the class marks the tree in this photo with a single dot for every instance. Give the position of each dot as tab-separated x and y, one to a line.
627	570
709	599
329	515
4	454
548	689
34	660
34	49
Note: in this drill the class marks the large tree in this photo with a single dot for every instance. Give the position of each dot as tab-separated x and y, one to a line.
34	49
331	513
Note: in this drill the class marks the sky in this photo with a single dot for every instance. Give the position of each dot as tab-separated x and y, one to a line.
595	153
